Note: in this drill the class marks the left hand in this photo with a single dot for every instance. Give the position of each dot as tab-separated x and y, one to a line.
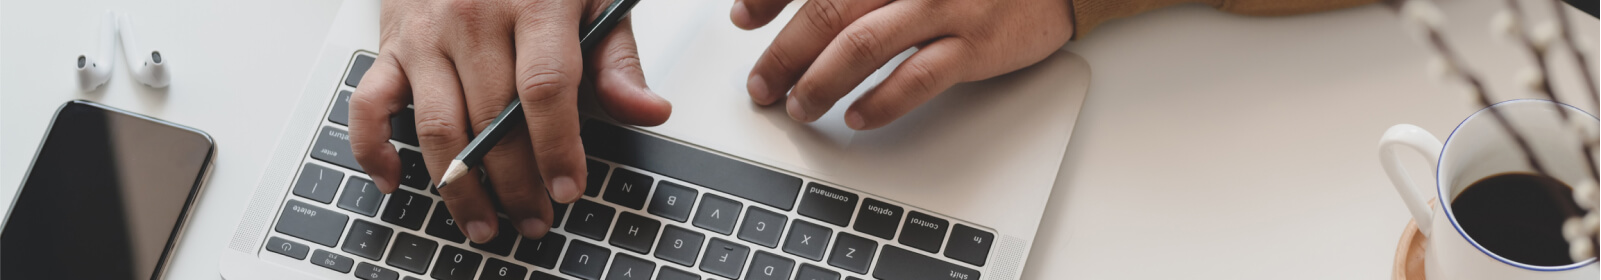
832	45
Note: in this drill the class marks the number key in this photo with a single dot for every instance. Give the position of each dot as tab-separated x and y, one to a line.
456	264
496	269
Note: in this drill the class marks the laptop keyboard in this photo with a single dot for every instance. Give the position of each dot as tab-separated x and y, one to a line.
653	209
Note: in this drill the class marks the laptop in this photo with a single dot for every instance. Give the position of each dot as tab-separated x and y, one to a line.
724	190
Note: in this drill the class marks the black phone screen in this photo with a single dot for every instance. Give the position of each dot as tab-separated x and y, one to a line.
104	196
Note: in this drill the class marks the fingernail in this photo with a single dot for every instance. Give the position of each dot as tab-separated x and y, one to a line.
854	120
533	228
758	90
564	189
480	232
739	14
795	111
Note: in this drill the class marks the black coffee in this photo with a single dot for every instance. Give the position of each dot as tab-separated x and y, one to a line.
1517	216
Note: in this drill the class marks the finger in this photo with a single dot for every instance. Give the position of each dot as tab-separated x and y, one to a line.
384	91
620	82
817	22
860	49
926	73
485	65
750	14
549	67
442	133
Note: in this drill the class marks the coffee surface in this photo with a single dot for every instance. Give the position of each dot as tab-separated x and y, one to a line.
1517	216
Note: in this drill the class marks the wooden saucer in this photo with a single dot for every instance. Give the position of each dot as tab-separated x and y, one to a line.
1409	254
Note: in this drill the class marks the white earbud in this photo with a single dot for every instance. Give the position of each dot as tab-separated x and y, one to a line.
152	71
94	70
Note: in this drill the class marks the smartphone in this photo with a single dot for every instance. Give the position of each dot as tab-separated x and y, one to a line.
105	197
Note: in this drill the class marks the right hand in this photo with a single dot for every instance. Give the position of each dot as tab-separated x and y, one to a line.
460	62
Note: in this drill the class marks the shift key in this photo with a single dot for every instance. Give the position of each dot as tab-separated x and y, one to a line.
895	263
311	223
333	146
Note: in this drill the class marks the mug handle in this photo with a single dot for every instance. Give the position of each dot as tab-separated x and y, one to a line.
1411	136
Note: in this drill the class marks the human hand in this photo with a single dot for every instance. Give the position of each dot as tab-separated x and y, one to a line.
830	46
460	62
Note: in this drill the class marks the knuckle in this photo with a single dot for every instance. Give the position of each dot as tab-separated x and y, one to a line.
861	45
465	9
625	57
825	16
922	77
780	55
437	129
543	80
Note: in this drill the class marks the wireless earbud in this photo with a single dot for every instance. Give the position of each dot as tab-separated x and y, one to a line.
147	66
152	71
94	70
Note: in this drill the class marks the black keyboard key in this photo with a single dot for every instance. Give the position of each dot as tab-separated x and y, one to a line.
539	275
542	252
584	260
413	171
403	126
812	272
717	214
669	273
807	240
625	267
767	266
679	245
443	226
358	68
367	239
724	258
924	232
634	232
969	244
852	252
312	223
361	196
332	261
333	146
318	183
878	218
631	148
561	212
900	264
496	269
597	175
407	209
672	201
505	236
287	248
628	188
340	114
828	204
412	278
367	271
456	264
590	219
762	227
411	252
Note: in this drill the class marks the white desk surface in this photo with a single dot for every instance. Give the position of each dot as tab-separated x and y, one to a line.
1210	146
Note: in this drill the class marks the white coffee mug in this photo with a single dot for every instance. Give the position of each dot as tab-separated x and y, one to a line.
1479	148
